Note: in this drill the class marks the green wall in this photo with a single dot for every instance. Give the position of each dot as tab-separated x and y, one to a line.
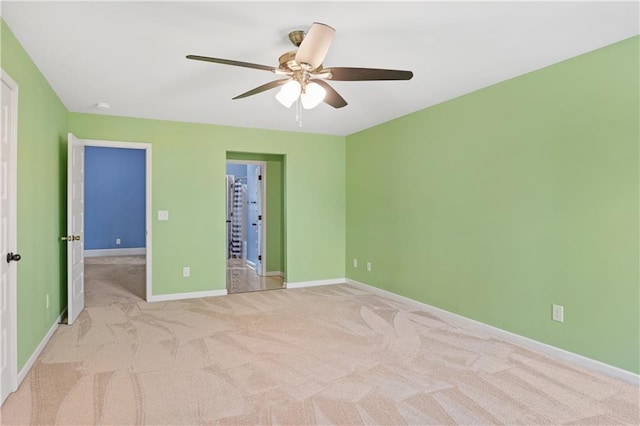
274	213
188	180
499	203
42	139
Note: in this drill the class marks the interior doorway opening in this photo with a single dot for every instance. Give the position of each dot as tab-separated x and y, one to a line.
254	244
115	223
75	238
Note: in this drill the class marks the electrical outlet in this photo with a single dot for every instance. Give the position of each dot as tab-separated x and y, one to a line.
355	262
118	241
557	313
47	300
369	266
163	214
186	272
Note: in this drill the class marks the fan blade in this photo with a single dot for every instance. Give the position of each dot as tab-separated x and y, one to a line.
332	97
366	74
232	62
264	87
315	45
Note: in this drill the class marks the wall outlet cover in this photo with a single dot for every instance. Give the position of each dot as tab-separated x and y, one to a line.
163	214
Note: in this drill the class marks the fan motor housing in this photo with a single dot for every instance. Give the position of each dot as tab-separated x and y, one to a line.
288	62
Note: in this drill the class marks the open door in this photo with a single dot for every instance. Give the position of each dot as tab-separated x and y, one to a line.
8	237
260	211
75	228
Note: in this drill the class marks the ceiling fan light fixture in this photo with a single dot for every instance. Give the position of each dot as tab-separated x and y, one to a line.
312	95
289	93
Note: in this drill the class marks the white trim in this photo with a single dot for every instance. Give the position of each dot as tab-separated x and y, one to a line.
12	237
148	221
115	144
274	274
190	295
303	284
545	348
115	252
34	356
263	213
254	162
148	205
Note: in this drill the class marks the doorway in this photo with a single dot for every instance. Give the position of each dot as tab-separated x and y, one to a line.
247	225
77	211
115	231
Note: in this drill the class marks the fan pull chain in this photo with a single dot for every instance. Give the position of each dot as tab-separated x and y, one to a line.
299	112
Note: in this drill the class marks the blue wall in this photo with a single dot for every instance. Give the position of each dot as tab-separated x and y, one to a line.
114	198
237	170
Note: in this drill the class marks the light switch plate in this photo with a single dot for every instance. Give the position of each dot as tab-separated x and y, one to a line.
557	313
163	214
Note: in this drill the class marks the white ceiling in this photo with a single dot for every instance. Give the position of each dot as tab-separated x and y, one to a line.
132	54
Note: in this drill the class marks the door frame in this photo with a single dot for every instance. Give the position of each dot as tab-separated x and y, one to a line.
148	213
264	207
12	238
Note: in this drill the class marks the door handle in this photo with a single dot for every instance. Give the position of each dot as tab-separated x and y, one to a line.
70	238
13	257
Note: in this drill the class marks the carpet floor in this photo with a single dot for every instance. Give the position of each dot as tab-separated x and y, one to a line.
322	355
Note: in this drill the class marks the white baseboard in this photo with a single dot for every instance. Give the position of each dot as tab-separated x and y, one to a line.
302	284
552	351
34	356
274	274
115	252
190	295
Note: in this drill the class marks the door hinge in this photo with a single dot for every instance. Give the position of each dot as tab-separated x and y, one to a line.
259	217
259	257
259	177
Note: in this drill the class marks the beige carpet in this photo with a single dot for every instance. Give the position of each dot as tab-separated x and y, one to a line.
323	355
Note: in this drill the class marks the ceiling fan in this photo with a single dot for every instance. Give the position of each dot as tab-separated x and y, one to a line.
306	78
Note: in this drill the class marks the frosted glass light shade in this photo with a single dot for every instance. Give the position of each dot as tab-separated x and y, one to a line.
312	96
289	93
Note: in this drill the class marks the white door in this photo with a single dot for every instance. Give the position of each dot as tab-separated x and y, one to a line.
260	213
8	240
75	228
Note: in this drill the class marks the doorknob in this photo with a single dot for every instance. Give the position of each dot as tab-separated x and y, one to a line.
13	256
70	238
